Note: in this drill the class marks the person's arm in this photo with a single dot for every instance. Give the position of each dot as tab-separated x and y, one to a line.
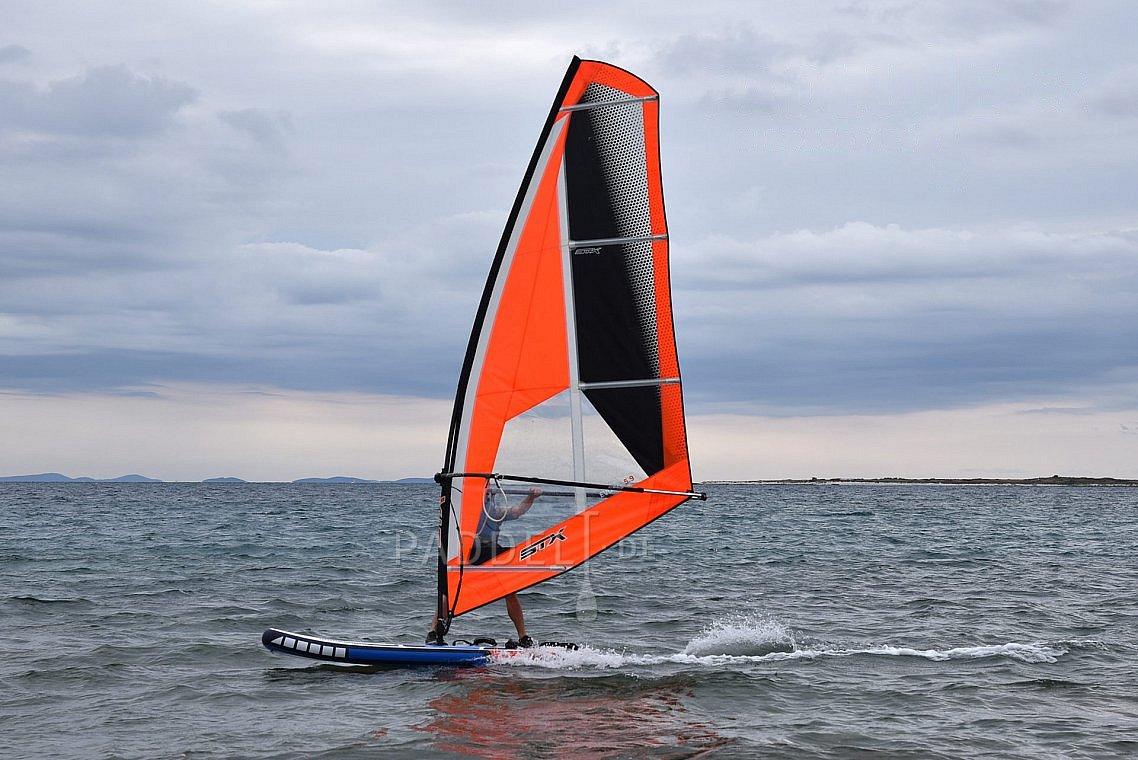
525	504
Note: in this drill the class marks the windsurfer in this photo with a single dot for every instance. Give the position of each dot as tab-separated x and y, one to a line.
495	511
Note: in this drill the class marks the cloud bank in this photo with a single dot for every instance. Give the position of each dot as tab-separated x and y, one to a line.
879	211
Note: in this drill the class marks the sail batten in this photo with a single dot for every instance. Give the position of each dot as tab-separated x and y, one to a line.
517	568
632	383
604	103
606	242
571	372
607	487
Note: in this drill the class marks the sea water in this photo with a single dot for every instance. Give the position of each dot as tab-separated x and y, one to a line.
788	621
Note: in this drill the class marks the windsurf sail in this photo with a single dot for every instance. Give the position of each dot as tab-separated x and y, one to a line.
570	381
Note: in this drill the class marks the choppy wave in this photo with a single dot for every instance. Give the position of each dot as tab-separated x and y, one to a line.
590	657
134	611
1037	652
743	641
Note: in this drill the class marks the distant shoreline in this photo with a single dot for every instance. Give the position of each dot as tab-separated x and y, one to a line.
57	478
1054	480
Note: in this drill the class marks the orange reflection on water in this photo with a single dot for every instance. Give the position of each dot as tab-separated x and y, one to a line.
606	716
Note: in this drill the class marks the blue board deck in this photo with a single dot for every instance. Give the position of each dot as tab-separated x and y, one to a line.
368	653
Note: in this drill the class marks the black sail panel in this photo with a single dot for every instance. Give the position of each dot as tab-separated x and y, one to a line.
614	282
612	339
625	410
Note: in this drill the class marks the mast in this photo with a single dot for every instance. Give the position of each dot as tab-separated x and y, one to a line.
442	610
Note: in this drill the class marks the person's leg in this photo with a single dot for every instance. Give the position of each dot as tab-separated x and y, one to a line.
433	636
514	608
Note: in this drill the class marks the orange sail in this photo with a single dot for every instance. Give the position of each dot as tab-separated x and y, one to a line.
570	382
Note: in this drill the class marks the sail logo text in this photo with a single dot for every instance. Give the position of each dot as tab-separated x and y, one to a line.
537	546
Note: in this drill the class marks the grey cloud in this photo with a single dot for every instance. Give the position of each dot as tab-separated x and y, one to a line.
1001	15
1116	97
1123	105
121	370
206	236
865	319
264	127
856	39
393	318
108	101
749	99
14	53
864	253
738	50
108	173
954	19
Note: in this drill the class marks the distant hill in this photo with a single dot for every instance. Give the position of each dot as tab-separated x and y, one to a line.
43	477
55	477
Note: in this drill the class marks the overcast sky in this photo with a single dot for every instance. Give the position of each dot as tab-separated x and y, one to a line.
248	238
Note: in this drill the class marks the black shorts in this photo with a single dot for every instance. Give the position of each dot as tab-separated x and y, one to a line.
484	551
